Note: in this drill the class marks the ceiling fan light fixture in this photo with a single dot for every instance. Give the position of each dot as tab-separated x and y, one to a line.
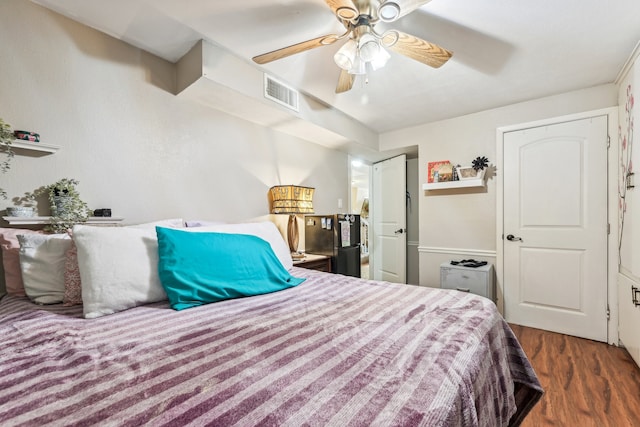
368	47
380	59
389	11
345	57
359	67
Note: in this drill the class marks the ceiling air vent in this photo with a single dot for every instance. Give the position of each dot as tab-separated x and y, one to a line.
280	93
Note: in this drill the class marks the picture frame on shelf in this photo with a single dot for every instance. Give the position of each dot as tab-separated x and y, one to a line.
468	172
444	169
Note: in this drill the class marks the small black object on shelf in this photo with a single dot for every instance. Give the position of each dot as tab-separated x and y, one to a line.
102	212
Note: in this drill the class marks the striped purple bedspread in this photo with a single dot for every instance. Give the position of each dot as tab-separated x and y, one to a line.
333	351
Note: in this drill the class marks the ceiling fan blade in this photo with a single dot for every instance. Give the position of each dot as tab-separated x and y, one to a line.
408	6
296	48
344	9
416	48
345	81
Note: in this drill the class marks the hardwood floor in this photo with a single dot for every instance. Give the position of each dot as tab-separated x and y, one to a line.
586	383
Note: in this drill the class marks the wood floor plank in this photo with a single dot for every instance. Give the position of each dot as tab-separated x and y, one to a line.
587	383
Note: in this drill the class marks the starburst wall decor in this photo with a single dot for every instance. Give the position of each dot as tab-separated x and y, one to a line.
480	163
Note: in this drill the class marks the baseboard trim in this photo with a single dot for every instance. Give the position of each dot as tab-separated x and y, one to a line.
457	251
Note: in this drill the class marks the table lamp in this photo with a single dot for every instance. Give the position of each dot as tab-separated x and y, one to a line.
292	200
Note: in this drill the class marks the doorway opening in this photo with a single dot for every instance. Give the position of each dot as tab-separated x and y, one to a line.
360	190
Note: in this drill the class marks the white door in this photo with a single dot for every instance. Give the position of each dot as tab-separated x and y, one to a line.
555	227
389	214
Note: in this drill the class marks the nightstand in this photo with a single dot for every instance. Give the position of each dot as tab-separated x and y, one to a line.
479	281
314	262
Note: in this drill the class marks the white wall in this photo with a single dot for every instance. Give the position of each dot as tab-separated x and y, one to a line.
629	155
134	146
456	224
629	206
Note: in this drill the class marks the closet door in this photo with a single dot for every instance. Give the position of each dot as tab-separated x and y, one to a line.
555	227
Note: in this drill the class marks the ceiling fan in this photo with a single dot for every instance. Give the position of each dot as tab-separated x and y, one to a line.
365	48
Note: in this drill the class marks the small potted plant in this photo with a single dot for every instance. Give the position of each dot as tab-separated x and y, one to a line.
67	209
6	141
25	206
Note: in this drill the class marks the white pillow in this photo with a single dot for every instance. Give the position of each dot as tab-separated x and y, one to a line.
118	268
42	263
265	230
168	223
202	223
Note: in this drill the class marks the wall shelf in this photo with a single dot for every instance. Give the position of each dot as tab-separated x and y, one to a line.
34	146
466	183
43	220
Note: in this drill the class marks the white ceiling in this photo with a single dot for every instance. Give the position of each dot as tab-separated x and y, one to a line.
505	51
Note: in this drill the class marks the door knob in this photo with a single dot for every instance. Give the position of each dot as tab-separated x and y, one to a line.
399	231
513	238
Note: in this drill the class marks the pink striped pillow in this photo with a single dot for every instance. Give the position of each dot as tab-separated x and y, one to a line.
72	284
11	259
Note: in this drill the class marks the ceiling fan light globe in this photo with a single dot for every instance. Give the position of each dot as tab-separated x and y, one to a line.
342	61
368	47
346	55
388	11
380	60
359	67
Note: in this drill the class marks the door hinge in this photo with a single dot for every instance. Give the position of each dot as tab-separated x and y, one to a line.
608	228
608	312
608	141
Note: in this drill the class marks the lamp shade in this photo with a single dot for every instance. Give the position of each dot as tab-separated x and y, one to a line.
291	199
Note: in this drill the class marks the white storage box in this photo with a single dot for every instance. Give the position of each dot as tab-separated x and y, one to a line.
479	281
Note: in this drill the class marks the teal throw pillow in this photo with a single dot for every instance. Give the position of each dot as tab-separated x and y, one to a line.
198	268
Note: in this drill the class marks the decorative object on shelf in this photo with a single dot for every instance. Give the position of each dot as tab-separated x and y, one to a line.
443	168
455	176
292	200
67	209
6	140
21	211
105	212
28	201
475	171
468	172
25	135
480	163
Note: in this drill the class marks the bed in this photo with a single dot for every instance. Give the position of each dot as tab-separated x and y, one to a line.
332	350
